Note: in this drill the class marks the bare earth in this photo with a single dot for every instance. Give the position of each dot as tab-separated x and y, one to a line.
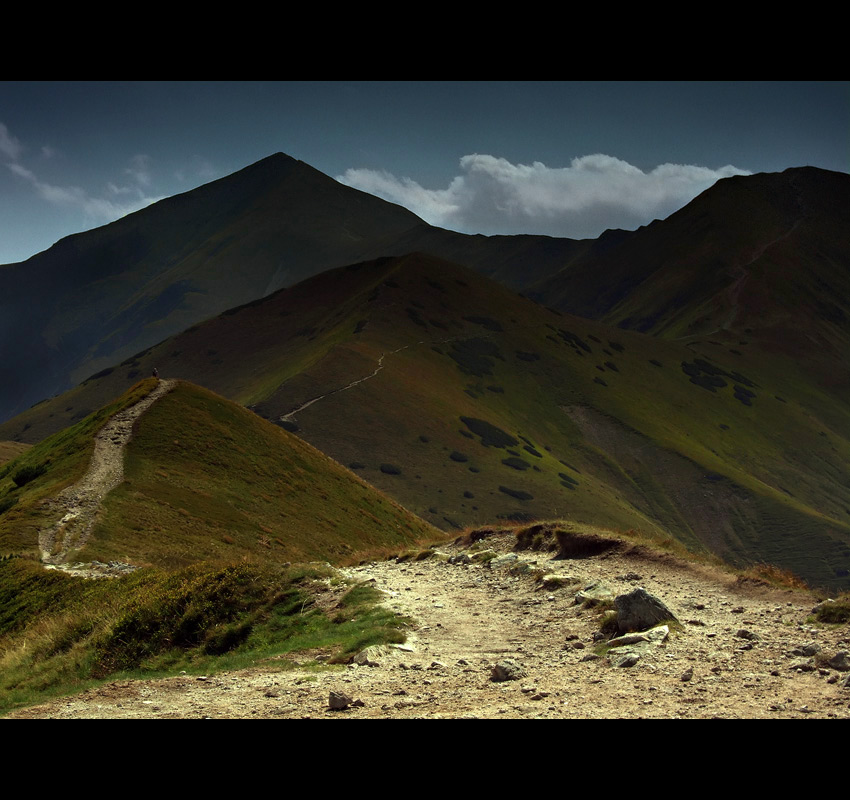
731	657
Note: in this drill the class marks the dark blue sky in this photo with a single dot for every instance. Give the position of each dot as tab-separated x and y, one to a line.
560	157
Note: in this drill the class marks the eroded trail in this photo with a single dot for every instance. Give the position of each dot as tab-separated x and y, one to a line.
79	504
739	651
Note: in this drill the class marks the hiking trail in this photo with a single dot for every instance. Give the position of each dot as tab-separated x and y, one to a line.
80	503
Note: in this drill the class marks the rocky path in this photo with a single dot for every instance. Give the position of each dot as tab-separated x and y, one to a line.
80	503
739	651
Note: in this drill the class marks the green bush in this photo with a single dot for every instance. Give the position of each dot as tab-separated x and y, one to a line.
28	473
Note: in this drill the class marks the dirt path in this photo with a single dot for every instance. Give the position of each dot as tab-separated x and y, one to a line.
739	652
291	415
80	503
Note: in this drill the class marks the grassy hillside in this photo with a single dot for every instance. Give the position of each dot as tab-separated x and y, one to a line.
469	404
215	505
207	479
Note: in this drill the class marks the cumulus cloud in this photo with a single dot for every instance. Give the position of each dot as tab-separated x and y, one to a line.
596	192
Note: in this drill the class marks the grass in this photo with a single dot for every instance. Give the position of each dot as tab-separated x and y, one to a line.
207	479
46	468
60	635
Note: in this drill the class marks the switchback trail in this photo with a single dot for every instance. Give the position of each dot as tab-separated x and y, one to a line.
79	504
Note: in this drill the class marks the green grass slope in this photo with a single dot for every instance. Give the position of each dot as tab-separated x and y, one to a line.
206	479
469	404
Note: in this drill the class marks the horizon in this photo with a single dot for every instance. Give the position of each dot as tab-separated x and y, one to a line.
560	158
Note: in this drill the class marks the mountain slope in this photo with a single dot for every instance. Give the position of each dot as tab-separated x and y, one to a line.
468	403
98	297
764	255
205	479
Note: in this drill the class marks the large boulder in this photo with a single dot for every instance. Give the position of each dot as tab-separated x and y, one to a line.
639	611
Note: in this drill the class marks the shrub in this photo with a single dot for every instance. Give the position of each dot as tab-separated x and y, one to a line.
491	436
516	493
28	473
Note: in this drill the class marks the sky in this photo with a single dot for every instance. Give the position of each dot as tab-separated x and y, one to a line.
561	158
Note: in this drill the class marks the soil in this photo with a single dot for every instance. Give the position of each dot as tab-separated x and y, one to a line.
736	652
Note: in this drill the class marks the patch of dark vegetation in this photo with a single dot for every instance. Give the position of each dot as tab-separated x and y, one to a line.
616	346
570	466
390	469
612	366
655	362
567	480
594	338
744	395
736	376
473	394
133	373
438	286
461	458
469	495
516	463
736	352
490	435
475	356
517	516
391	284
529	449
496	389
287	425
518	494
424	439
576	342
357	465
414	316
467	434
28	473
599	380
102	374
522	356
780	399
361	324
437	324
486	322
6	503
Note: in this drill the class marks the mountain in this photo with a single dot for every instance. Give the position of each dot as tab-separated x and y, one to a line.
765	255
468	404
98	297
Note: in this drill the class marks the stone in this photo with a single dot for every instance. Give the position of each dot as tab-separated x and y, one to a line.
339	701
639	610
840	661
507	669
594	594
368	657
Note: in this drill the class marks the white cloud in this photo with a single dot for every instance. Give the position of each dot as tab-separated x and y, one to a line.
97	208
9	145
596	192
